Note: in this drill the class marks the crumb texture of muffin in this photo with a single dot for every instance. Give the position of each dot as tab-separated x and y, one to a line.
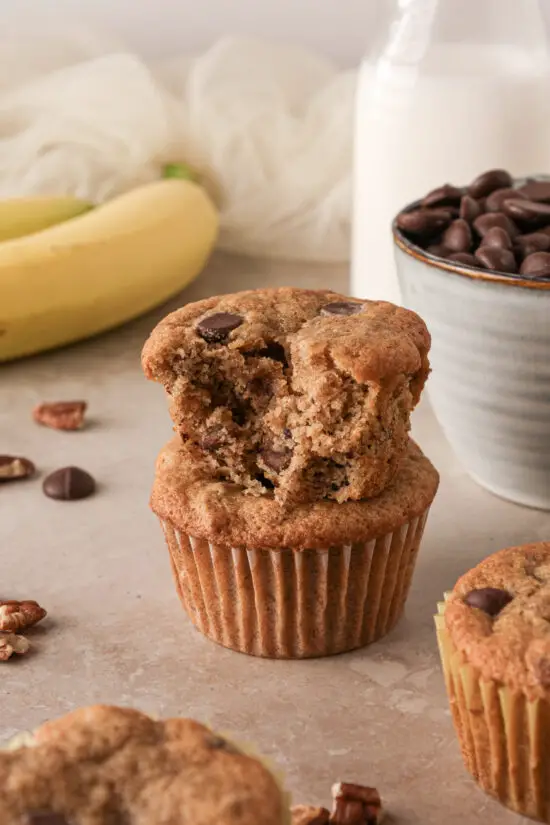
309	581
301	393
187	493
105	765
494	639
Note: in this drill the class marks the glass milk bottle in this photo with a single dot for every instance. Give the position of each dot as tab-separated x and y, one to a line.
458	87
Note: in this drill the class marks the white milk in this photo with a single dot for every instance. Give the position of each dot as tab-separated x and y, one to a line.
470	108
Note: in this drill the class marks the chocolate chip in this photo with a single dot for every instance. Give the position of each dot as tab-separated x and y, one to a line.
438	250
15	468
496	259
487	182
276	460
69	484
213	438
490	600
45	818
215	328
533	242
341	308
484	223
470	209
498	237
446	195
458	236
496	199
424	223
536	190
463	258
527	213
536	265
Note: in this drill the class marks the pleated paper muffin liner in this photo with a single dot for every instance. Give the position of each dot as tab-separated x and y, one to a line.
504	737
295	603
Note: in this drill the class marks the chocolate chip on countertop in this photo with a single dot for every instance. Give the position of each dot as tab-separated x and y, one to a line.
215	328
490	600
536	190
424	223
463	258
446	195
470	209
487	182
527	213
536	265
277	460
491	219
495	200
15	468
69	484
341	308
44	818
498	237
533	242
458	236
496	259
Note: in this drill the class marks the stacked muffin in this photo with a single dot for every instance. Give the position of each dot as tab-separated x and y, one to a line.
292	500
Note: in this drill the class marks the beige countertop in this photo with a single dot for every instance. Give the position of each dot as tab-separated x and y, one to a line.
116	632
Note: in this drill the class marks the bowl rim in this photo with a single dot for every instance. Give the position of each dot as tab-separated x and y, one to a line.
464	270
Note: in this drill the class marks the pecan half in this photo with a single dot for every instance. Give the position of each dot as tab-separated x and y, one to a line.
308	815
13	467
355	805
10	644
61	415
16	616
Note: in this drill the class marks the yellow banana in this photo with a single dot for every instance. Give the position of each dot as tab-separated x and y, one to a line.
98	270
23	216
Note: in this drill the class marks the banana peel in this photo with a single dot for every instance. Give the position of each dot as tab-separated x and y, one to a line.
24	216
103	268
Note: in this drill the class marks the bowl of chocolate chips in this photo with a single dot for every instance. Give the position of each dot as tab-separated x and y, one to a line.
474	262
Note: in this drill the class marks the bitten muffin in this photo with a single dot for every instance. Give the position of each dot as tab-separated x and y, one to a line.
106	765
494	634
267	580
301	392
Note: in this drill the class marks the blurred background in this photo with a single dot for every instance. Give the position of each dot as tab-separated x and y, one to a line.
339	28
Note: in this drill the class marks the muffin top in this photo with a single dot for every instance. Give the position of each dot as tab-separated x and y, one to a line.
104	765
367	340
498	616
190	493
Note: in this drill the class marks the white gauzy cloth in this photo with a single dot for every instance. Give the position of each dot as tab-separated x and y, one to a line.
268	126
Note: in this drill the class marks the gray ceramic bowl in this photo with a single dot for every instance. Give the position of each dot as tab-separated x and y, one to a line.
490	386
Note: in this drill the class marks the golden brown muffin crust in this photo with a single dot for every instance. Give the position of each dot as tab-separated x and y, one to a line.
187	493
513	646
107	766
381	340
305	393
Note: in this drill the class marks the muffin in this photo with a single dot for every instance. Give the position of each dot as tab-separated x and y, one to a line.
102	765
298	394
494	637
268	580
